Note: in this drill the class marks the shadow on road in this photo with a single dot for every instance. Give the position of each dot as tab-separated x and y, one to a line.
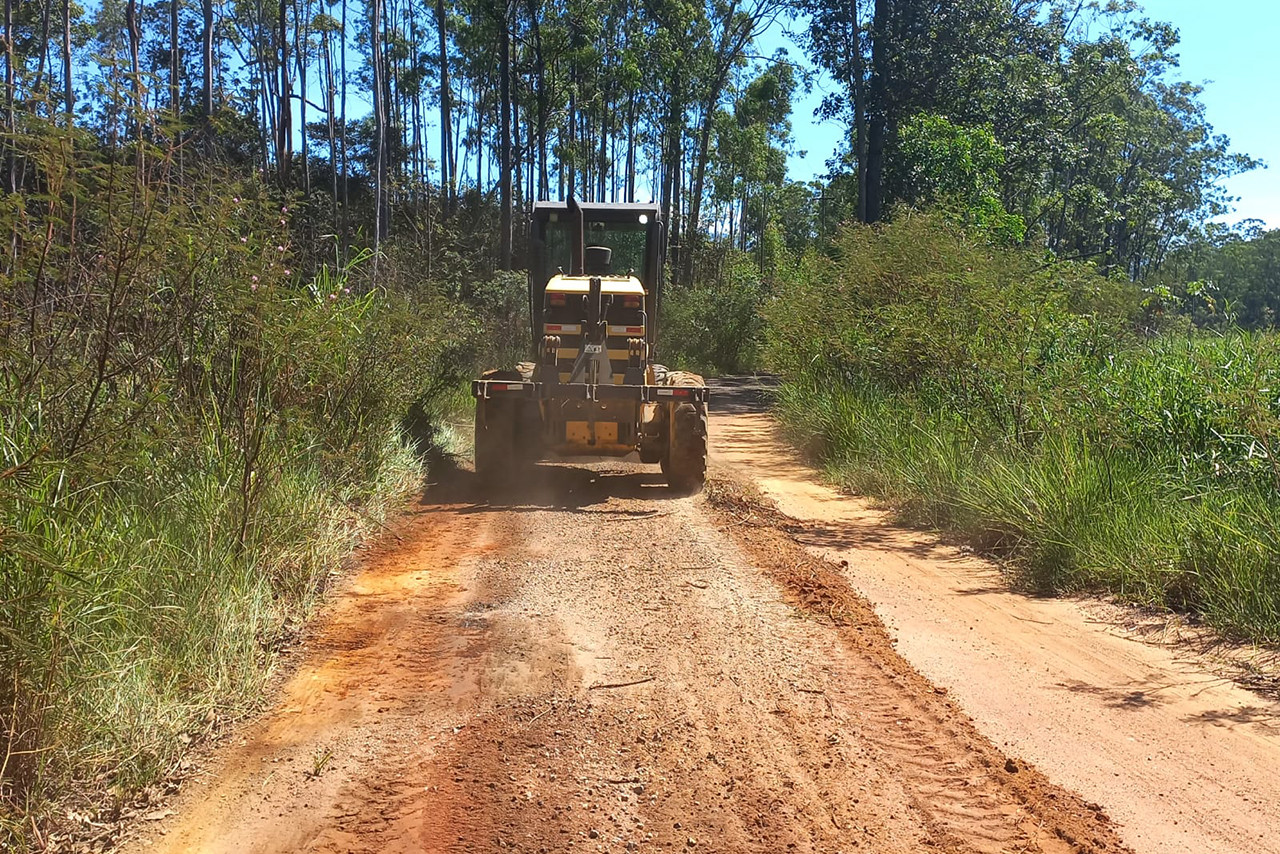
572	487
737	395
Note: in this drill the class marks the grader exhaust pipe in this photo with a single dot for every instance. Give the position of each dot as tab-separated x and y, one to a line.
578	241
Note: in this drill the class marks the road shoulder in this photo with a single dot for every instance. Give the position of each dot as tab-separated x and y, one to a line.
1181	757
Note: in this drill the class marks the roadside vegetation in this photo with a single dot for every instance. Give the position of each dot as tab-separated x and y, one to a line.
253	252
1010	309
1041	411
202	411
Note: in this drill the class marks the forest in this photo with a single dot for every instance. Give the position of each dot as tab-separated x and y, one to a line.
384	118
254	251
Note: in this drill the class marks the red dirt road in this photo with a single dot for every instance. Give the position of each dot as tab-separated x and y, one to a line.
1104	701
590	663
587	663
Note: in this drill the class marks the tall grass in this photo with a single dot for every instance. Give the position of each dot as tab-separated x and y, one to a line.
193	435
1026	407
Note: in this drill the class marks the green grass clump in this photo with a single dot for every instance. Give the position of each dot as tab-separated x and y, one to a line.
1028	407
193	437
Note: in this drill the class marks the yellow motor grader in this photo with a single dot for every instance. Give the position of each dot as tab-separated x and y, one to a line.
592	387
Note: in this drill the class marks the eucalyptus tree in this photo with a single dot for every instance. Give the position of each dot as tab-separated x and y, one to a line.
751	141
733	28
207	60
1103	153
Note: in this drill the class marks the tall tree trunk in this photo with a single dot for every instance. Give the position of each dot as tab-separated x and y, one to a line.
206	50
44	48
602	154
175	66
343	141
541	97
394	106
303	35
693	231
631	149
672	131
419	142
391	118
284	126
10	97
478	124
448	169
880	35
678	223
330	104
734	39
68	89
380	125
518	147
504	139
857	84
135	36
569	153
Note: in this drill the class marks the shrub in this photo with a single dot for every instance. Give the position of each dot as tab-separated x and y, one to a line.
1011	400
193	435
713	325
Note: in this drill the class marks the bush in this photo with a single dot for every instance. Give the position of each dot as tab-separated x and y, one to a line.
192	438
713	326
1011	400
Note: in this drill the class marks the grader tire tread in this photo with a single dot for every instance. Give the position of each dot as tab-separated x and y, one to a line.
685	460
497	448
494	440
685	463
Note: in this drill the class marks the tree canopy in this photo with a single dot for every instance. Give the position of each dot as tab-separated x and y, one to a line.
1064	121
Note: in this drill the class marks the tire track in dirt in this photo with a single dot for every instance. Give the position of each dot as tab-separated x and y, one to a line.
378	674
1149	727
969	792
588	663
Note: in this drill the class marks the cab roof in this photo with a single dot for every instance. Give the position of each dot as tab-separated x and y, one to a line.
562	284
616	211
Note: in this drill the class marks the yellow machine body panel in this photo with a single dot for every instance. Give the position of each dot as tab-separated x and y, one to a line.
579	441
626	324
579	432
609	285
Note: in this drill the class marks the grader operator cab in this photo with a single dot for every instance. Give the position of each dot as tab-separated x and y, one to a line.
592	388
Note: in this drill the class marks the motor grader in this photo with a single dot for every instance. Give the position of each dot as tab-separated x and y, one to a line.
592	387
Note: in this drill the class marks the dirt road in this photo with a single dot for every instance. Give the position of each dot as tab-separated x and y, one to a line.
586	663
1113	706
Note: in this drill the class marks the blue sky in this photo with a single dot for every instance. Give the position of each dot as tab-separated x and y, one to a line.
1231	47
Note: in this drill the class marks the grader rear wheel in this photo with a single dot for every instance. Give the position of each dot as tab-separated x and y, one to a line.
495	439
498	446
685	463
685	460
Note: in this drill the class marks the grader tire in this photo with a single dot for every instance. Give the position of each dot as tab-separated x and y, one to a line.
497	430
685	460
685	463
495	440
